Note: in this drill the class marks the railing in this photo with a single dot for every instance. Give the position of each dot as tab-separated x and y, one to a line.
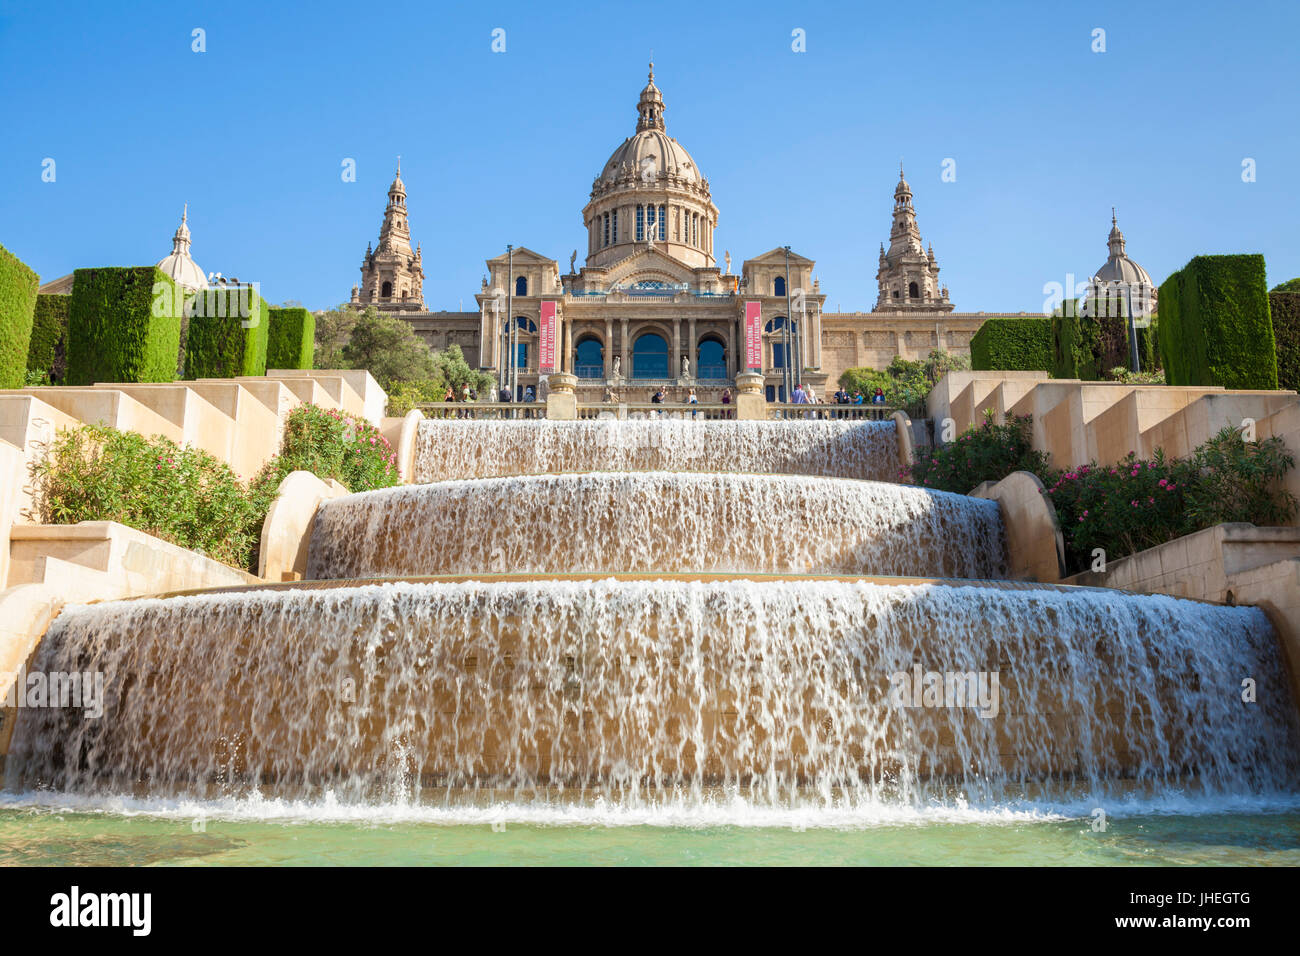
589	371
711	372
685	411
866	413
483	410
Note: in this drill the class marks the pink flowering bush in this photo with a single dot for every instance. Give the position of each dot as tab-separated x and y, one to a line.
1137	504
333	444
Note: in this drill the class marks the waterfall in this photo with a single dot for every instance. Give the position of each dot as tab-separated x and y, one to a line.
645	691
658	522
451	448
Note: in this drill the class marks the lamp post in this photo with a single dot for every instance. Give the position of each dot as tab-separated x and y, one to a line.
1132	330
510	319
788	335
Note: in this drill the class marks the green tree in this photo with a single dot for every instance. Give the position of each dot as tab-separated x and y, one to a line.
1290	285
333	327
388	348
452	369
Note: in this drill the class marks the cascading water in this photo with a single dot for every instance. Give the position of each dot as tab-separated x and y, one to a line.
593	690
648	691
450	448
658	522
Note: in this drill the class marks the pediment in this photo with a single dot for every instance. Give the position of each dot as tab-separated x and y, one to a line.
650	266
522	254
778	255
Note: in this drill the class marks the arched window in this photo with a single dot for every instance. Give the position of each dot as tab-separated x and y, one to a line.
650	357
663	223
640	223
387	291
521	285
589	362
525	324
912	291
777	324
778	285
711	359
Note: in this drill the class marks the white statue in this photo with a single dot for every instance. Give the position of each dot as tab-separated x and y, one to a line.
727	256
618	367
686	367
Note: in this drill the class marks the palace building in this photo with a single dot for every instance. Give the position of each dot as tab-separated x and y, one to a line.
651	306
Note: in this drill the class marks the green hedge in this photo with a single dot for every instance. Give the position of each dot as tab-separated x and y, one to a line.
18	285
1010	344
48	351
1285	309
227	333
1087	347
124	325
291	338
1215	327
1149	346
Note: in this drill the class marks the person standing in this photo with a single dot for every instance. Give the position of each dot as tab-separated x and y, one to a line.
726	400
692	400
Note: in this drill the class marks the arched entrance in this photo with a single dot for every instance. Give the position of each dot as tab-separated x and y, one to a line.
589	358
711	359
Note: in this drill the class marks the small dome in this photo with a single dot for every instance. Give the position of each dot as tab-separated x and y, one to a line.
183	270
1118	266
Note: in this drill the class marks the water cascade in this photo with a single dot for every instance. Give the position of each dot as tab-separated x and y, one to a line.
658	522
636	690
661	612
460	448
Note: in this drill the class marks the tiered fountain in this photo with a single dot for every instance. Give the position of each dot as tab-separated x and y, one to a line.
652	613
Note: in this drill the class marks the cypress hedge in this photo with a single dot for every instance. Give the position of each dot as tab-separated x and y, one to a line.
1215	326
48	351
1285	309
291	341
1088	346
18	285
1013	343
226	334
124	325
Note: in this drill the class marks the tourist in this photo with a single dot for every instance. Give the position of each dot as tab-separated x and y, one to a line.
857	398
692	400
503	395
529	394
726	400
879	397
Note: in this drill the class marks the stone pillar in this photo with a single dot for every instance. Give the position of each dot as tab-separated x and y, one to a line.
692	348
626	348
675	362
561	402
608	350
567	364
750	402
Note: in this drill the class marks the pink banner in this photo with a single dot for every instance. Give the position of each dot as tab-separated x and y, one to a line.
753	336
546	339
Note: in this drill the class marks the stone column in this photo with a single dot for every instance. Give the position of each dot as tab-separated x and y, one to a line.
692	348
675	363
626	348
608	350
567	365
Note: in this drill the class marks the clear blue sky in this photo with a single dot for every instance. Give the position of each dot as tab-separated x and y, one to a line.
800	148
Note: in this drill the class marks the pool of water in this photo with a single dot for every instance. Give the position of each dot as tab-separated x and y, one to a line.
70	831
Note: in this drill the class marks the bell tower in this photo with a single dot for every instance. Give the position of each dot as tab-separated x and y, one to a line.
392	275
907	275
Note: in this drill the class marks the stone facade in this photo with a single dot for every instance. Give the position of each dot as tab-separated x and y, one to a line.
650	306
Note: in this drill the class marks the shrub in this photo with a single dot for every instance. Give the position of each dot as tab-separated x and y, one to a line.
291	338
1137	504
1009	344
48	351
905	383
332	444
226	333
1285	310
124	325
182	495
987	452
18	285
1215	326
1085	345
1290	285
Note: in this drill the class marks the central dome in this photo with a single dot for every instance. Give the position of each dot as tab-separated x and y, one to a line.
650	192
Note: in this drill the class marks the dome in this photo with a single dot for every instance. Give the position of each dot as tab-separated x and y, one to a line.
1118	266
651	153
183	270
648	154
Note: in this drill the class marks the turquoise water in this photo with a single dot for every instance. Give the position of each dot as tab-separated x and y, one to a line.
276	833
